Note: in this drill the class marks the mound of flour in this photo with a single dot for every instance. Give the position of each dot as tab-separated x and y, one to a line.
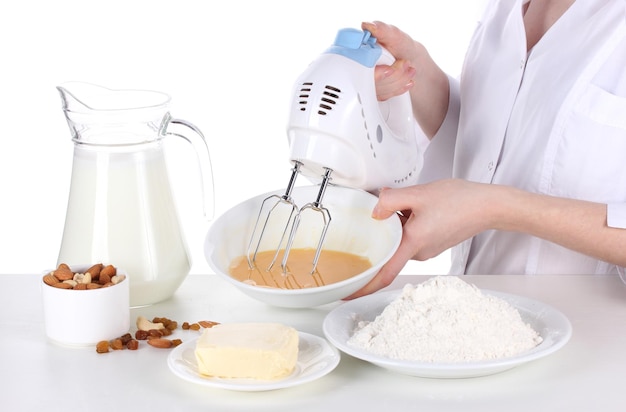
445	319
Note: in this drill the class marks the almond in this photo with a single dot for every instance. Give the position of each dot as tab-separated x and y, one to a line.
63	272
160	343
50	279
95	270
62	285
63	266
207	323
109	271
104	278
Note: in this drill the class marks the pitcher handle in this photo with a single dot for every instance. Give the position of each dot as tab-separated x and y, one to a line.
198	141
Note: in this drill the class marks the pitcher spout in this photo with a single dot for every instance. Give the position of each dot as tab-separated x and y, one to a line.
69	100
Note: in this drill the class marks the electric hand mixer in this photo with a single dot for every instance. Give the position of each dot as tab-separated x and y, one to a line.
339	131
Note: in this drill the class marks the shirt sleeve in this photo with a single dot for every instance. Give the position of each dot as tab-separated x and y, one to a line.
616	215
439	154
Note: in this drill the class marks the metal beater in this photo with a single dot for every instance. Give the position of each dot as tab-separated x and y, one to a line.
315	206
284	200
337	126
292	223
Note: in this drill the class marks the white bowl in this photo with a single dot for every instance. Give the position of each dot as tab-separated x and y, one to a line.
85	317
352	230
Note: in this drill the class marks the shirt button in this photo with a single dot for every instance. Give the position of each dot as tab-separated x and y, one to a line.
490	166
522	63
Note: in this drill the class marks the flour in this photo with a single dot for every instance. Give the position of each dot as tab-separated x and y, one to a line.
445	320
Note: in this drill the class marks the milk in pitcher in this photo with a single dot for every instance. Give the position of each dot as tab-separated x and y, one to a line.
121	211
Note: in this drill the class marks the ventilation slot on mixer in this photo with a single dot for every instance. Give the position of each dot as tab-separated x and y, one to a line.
303	97
329	99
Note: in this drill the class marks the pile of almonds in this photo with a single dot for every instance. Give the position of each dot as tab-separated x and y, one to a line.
97	276
154	332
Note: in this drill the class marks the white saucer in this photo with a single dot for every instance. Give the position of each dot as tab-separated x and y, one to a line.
316	358
552	325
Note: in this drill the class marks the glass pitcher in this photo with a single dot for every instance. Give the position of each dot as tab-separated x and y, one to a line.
121	209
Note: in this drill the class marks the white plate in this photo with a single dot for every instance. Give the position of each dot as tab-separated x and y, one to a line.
552	325
316	358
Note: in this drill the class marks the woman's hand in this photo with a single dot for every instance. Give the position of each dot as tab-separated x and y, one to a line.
440	215
413	71
398	78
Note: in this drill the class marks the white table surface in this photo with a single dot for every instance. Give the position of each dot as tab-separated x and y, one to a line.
589	373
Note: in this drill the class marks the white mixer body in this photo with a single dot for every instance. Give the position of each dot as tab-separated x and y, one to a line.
337	122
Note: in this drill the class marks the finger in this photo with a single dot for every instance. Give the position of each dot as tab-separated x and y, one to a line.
389	36
382	71
389	270
372	27
378	29
392	200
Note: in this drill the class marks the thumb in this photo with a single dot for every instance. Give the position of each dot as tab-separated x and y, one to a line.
389	271
391	201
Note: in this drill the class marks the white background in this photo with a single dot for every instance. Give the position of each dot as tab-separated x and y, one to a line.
229	67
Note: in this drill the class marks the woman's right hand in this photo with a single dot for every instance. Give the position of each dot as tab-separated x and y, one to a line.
441	214
413	71
396	79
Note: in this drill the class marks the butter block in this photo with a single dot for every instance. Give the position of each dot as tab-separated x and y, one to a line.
263	351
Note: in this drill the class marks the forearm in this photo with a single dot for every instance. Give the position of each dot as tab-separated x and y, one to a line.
575	224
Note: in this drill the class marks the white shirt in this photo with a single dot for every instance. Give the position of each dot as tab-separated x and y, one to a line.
549	121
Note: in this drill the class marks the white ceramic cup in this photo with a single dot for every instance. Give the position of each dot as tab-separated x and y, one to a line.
85	317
